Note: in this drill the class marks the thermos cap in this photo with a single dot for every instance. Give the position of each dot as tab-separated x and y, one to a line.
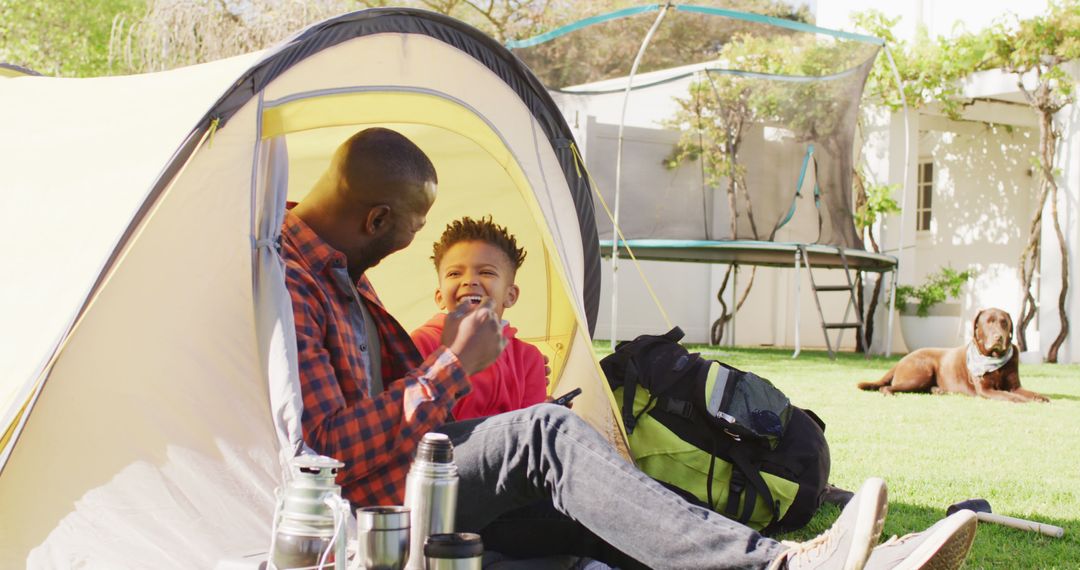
454	545
435	448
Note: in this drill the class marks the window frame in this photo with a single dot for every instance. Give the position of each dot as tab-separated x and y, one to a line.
924	195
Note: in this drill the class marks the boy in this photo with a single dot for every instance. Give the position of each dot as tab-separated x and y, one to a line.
475	259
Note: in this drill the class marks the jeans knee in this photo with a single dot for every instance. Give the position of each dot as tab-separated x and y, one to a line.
552	413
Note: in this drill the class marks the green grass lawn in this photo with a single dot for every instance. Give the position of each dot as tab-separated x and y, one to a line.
933	451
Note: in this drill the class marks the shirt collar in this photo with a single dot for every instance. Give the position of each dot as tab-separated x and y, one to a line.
315	250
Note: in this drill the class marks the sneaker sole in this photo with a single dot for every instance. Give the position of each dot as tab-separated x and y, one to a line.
870	519
947	548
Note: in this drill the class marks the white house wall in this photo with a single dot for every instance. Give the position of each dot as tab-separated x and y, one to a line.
983	196
981	209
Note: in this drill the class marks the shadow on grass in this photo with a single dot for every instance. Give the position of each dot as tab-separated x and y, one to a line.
1069	397
995	546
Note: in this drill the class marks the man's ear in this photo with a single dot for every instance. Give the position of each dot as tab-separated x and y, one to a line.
511	296
378	218
439	300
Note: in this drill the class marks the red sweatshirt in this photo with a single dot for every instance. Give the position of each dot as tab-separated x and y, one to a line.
515	380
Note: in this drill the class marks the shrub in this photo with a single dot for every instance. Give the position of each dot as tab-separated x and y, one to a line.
939	286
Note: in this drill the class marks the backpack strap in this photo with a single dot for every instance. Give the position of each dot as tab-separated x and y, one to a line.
632	374
630	381
752	485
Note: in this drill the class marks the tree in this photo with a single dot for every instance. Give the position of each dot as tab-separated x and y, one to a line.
606	50
68	38
186	32
183	32
1037	48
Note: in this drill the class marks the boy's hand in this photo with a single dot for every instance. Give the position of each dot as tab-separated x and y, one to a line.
551	400
478	339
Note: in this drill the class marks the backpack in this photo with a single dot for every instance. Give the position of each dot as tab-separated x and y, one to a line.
719	436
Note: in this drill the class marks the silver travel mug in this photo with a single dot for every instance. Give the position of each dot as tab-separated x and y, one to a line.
382	537
454	551
430	493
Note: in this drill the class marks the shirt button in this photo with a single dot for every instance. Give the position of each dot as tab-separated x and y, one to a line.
363	348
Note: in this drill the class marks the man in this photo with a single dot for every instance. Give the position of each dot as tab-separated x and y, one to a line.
369	398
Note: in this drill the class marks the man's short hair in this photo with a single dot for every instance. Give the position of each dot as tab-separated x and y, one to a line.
482	230
388	152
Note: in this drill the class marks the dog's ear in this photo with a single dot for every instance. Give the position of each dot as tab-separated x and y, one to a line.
975	325
1008	341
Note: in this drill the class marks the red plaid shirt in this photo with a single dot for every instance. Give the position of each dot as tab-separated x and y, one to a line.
375	437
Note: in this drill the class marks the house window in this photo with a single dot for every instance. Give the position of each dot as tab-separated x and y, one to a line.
926	196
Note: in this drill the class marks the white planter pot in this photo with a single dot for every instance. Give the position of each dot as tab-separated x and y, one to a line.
942	328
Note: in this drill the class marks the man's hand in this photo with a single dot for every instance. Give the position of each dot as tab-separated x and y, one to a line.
453	321
478	336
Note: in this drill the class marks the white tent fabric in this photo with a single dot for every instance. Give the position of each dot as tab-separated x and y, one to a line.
148	378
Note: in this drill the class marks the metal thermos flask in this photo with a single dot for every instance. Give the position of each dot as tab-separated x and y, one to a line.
455	551
430	493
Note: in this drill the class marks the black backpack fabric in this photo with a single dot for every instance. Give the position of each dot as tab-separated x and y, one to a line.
720	436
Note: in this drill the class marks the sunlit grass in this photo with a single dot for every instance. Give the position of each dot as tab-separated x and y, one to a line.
937	450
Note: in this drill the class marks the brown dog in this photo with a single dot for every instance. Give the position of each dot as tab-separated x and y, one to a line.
978	369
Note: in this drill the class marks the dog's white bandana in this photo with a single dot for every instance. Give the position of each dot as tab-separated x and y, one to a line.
979	364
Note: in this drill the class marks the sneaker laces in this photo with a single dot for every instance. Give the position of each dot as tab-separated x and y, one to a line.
817	547
898	540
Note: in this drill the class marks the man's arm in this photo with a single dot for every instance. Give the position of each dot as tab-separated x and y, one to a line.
374	436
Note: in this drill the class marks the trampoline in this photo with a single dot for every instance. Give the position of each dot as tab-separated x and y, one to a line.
729	139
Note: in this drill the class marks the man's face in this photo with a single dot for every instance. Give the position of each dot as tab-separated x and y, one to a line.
411	216
470	270
402	224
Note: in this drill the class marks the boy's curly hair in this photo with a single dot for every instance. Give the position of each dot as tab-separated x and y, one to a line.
482	230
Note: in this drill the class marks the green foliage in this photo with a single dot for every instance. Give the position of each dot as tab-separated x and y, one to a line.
938	287
1040	44
879	202
931	70
63	37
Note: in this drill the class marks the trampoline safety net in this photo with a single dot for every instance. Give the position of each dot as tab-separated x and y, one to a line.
736	127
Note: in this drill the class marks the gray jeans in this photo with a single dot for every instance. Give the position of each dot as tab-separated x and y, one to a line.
547	454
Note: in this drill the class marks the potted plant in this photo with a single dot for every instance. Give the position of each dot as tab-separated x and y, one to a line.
926	319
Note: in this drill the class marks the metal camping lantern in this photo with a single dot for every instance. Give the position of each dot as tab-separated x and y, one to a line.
311	517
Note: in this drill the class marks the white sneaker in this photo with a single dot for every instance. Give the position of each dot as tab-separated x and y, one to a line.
943	546
847	543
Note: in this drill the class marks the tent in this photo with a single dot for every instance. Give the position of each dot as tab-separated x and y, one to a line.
12	70
147	370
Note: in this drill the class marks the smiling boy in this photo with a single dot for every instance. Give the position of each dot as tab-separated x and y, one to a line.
478	259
